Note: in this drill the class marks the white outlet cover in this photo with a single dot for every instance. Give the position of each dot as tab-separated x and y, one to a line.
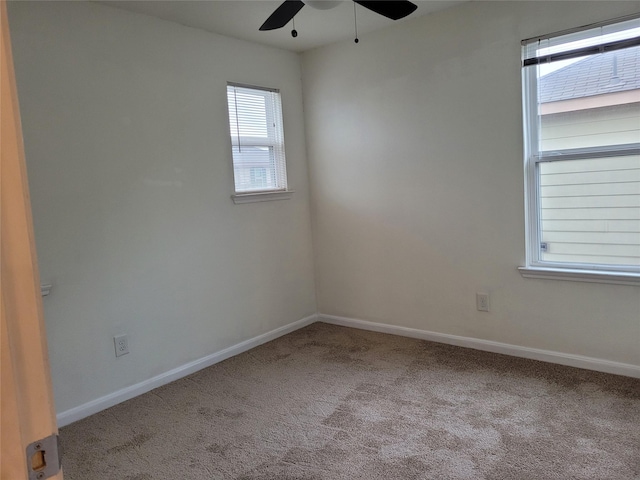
482	302
121	344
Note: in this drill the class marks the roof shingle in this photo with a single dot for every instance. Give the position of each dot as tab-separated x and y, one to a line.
609	72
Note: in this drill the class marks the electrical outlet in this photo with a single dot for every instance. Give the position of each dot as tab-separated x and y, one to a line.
121	343
482	302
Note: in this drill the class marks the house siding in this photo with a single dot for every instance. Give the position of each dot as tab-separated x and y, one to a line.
590	209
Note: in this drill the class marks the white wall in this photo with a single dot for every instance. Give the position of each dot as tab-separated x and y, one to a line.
414	141
415	148
129	161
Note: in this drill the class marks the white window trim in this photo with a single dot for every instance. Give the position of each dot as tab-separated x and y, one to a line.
251	196
575	271
266	196
577	275
534	268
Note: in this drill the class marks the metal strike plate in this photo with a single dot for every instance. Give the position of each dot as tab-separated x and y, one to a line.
43	458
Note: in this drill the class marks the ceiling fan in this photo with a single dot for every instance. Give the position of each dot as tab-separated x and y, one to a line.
393	9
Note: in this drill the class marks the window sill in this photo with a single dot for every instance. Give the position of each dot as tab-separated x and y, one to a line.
262	196
592	276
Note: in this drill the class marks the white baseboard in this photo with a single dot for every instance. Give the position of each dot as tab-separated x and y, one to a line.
102	403
578	361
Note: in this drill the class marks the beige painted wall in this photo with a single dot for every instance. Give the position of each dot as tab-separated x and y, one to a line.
414	139
129	159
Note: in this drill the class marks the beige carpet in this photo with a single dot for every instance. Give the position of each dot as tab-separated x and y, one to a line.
329	402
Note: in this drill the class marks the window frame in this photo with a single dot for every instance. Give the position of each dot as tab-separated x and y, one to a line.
279	192
535	266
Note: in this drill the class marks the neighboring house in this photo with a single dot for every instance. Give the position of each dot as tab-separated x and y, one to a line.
253	168
591	206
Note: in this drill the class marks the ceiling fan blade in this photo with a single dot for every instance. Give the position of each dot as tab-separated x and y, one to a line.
282	15
393	9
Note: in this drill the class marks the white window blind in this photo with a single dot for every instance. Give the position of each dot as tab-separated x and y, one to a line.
257	139
582	148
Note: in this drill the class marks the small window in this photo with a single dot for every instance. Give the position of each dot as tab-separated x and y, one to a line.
257	139
582	149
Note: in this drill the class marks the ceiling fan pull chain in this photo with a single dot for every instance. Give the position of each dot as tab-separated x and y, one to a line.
355	22
294	32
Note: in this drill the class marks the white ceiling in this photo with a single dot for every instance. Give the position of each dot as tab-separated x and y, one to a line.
242	19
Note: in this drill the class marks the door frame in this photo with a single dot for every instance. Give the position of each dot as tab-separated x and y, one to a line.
27	407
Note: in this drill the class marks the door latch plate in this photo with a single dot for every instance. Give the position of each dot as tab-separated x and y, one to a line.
43	458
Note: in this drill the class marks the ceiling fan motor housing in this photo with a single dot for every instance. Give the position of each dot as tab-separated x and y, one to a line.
322	4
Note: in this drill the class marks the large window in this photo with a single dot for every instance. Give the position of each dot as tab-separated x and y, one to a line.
257	139
582	151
